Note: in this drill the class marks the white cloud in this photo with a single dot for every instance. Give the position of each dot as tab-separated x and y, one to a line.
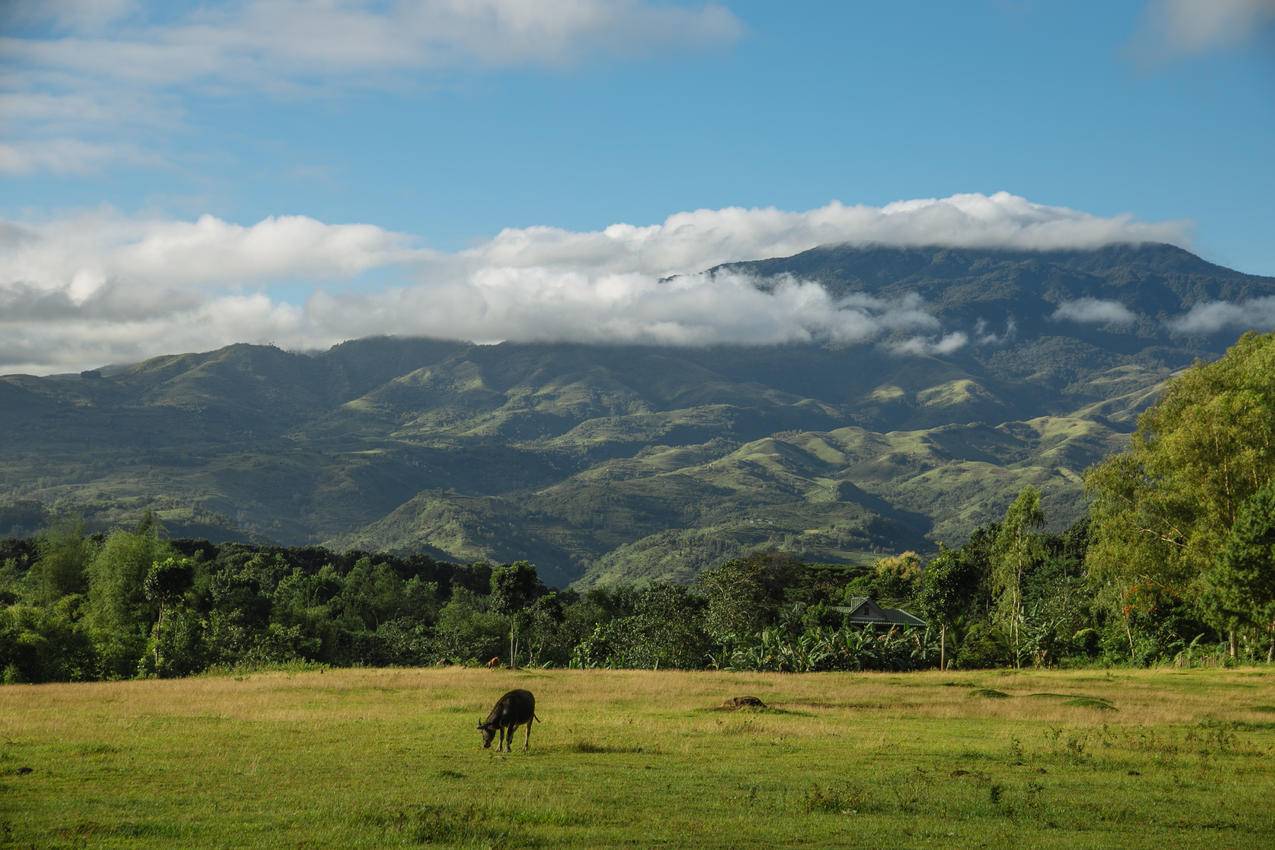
539	305
60	332
65	156
94	72
699	239
1095	311
55	113
68	15
984	335
921	345
138	252
1215	316
303	40
105	287
1173	28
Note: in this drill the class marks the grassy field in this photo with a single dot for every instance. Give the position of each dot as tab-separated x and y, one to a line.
376	758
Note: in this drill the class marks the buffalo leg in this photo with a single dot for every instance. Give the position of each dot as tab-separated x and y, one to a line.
527	745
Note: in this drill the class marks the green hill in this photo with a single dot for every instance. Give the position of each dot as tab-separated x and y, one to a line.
609	462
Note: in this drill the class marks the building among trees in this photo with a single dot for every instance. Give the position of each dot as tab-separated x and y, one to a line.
864	612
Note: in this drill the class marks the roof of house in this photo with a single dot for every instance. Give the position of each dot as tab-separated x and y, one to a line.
863	610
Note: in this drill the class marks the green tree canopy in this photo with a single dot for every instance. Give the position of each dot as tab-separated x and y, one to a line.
1016	548
513	587
65	552
119	613
665	630
744	596
946	588
167	580
897	576
1240	587
1163	511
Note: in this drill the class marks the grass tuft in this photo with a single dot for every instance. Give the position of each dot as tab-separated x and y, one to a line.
96	749
843	799
456	826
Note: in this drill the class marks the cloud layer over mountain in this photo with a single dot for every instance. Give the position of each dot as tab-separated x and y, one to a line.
1095	311
1215	316
105	287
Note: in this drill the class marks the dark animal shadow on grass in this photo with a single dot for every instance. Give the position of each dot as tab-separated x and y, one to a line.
1074	700
1078	701
591	748
529	672
989	693
834	704
748	709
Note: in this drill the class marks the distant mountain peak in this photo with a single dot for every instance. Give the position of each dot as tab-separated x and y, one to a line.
601	462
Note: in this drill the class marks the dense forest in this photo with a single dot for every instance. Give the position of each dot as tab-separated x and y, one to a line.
1175	563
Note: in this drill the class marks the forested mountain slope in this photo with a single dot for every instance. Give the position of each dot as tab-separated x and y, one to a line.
600	462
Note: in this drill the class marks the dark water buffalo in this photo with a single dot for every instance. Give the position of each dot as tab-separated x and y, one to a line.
511	711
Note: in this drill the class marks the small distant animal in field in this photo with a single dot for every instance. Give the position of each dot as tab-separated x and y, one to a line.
511	711
493	663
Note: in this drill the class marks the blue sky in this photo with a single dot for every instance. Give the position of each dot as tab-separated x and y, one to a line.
444	128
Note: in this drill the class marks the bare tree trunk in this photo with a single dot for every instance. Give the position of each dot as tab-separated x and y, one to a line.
943	646
513	641
159	636
1018	653
1230	643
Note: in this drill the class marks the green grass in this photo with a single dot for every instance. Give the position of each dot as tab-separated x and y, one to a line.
387	758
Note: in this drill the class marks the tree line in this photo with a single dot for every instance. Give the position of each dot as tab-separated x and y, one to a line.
1175	563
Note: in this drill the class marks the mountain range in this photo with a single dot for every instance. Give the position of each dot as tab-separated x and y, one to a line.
632	462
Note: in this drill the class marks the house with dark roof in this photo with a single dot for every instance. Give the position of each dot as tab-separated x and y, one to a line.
863	611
